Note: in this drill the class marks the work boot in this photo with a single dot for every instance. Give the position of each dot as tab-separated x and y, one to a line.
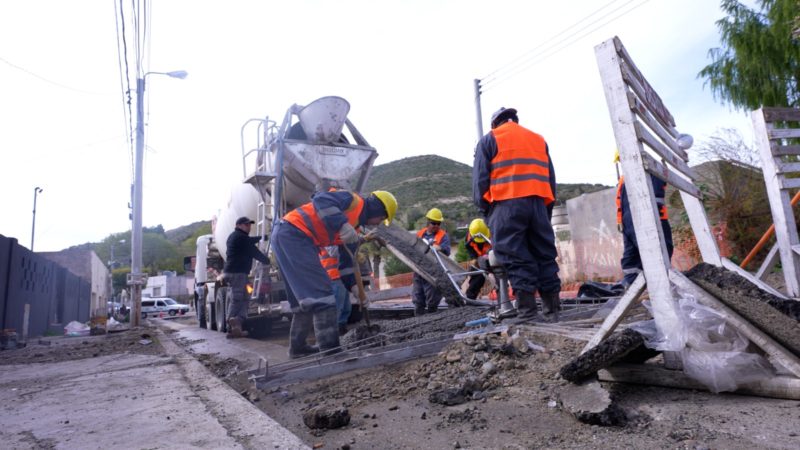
327	330
526	306
551	305
235	328
342	329
419	310
298	334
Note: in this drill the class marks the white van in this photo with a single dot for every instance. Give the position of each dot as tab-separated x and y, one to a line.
165	305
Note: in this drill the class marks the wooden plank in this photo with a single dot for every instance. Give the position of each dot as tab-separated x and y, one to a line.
618	313
779	203
663	151
319	371
647	93
661	171
781	114
787	183
668	135
790	167
796	248
769	263
733	267
784	133
652	375
756	336
644	211
786	150
706	241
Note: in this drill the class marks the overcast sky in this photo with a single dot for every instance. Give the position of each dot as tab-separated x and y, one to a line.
406	67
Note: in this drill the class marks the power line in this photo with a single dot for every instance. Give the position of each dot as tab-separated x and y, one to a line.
554	48
54	83
128	80
126	120
489	76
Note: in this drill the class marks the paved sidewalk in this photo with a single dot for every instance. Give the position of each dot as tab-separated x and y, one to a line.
132	401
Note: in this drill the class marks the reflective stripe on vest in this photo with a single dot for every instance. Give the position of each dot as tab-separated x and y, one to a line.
310	222
479	249
660	201
329	263
437	238
521	167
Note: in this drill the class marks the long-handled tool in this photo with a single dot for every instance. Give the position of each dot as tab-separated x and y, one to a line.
362	295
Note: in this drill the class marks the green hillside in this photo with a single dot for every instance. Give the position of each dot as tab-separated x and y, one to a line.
424	182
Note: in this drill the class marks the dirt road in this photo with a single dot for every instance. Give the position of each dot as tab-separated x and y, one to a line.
511	400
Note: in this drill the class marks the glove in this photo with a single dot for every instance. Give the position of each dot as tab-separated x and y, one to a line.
348	234
619	227
438	248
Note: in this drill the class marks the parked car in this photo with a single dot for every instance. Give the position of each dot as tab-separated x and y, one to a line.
166	305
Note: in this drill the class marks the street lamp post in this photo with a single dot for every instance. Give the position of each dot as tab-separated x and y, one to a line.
36	191
135	280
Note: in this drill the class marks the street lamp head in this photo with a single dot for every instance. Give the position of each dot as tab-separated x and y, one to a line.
181	74
38	189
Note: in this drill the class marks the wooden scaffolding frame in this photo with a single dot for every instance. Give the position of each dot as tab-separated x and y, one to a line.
649	143
771	133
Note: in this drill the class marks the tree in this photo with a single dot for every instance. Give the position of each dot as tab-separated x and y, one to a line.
759	63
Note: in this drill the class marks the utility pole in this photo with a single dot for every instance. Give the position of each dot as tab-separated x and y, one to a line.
36	190
479	121
136	278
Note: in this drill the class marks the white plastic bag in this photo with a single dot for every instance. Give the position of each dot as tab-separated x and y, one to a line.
76	329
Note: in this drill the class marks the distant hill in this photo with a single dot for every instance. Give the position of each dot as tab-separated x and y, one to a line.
424	182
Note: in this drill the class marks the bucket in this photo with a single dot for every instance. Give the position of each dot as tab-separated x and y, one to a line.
322	120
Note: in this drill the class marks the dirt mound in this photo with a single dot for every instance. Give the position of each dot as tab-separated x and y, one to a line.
61	348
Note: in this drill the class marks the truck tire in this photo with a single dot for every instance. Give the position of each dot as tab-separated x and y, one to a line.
221	309
259	326
200	311
212	316
172	312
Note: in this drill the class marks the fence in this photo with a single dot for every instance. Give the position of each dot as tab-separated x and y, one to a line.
36	294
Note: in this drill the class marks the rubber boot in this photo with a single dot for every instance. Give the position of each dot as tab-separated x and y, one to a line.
235	328
526	306
298	334
551	305
326	329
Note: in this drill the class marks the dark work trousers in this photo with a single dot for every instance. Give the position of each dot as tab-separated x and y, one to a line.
298	259
631	261
476	283
241	300
524	243
425	296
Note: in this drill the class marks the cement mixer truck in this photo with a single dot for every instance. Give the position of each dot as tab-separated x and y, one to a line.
312	148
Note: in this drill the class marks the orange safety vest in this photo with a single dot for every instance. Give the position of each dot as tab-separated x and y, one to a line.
480	250
437	238
662	207
306	219
521	167
329	263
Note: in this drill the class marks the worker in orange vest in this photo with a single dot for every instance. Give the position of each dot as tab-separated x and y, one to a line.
631	261
331	218
329	256
478	250
424	295
514	186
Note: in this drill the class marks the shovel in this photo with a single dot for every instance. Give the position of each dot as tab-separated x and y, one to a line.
369	330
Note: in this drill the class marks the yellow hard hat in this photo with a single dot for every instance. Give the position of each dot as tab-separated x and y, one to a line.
616	156
478	226
435	215
389	202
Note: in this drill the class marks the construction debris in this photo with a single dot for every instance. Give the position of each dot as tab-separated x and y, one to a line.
325	418
610	351
774	316
592	404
